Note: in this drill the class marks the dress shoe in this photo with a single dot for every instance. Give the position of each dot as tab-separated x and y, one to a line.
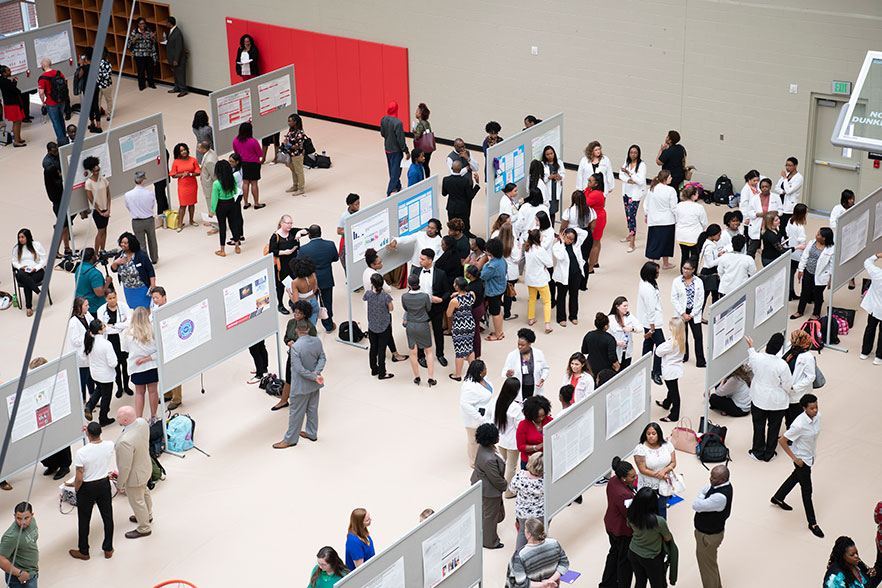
136	534
283	310
816	530
172	91
182	94
657	379
279	406
497	546
133	519
50	471
283	445
88	413
106	422
173	405
119	393
780	503
60	474
422	362
305	436
75	553
108	554
442	360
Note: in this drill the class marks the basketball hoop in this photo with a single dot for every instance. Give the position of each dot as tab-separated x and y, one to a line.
175	584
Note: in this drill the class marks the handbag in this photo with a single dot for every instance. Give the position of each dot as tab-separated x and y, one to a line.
282	157
683	438
672	484
323	312
425	142
820	380
276	261
510	291
171	219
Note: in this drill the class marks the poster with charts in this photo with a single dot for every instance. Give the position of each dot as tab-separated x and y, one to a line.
625	404
41	404
391	577
55	47
770	297
14	57
728	327
445	551
185	331
246	299
877	228
102	153
234	109
510	169
274	94
573	444
854	237
549	137
414	213
139	147
370	233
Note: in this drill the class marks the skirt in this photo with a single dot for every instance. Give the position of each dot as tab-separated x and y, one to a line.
419	335
251	170
136	297
660	241
13	113
144	378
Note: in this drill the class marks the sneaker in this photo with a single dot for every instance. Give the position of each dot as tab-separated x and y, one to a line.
753	455
877	361
864	356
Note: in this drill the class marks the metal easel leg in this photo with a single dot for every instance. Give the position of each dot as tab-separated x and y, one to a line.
829	326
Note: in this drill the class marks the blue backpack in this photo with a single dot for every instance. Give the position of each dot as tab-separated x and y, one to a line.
180	428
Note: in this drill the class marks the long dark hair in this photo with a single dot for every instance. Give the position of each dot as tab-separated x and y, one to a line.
712	230
536	173
544	221
614	309
510	390
298	122
29	243
598	180
224	173
658	431
581	204
473	374
242	41
89	340
643	512
329	554
554	165
246	131
628	157
836	563
200	119
649	273
534	196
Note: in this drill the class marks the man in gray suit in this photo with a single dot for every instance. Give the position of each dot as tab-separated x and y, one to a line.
135	469
177	57
307	363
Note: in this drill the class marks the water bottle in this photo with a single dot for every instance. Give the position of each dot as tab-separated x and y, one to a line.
15	301
323	153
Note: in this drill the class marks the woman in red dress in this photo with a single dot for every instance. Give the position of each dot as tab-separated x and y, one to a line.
186	170
596	200
13	105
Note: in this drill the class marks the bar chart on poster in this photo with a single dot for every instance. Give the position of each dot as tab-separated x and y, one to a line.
274	94
139	147
234	109
15	57
371	233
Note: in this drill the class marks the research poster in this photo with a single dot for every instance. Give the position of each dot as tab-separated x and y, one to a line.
549	137
625	404
509	168
391	577
246	299
185	331
14	57
139	148
234	109
573	444
274	94
102	152
55	47
445	551
728	327
877	228
854	237
770	297
370	233
42	404
414	213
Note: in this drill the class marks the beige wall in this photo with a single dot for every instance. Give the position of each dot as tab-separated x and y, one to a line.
45	12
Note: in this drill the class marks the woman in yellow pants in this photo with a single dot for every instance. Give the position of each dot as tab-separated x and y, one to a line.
537	262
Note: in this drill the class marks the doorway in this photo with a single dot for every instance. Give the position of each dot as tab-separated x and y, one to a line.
830	169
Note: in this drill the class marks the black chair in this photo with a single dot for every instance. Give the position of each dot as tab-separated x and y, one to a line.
18	291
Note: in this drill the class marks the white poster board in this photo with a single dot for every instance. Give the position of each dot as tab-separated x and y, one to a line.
274	94
625	405
550	137
234	109
246	299
391	577
573	444
139	147
55	47
447	550
769	297
42	403
185	330
15	57
414	213
371	233
728	327
103	154
854	237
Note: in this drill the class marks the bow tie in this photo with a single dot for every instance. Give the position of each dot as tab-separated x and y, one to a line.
427	271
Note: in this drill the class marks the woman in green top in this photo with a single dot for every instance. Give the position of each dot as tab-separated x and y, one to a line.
328	570
650	533
225	206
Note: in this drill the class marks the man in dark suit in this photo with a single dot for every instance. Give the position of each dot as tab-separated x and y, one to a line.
434	282
460	191
177	57
323	253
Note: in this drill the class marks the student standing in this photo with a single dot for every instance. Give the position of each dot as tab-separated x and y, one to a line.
617	571
490	470
595	162
434	282
249	149
623	326
186	170
600	347
691	221
769	394
711	247
650	533
420	127
494	274
816	266
872	303
650	314
687	298
661	219
773	239
595	197
578	375
568	274
359	543
582	217
459	313
102	369
225	205
748	193
633	190
379	315
527	364
796	239
756	206
392	131
538	261
552	179
672	159
655	459
506	413
735	267
475	397
803	369
19	555
417	306
92	486
712	507
790	188
671	353
98	193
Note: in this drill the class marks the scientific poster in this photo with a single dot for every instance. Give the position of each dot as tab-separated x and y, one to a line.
14	57
246	299
274	94
185	331
102	153
728	327
445	551
854	237
40	406
55	47
877	228
414	213
770	297
139	147
371	233
573	444
510	169
234	109
391	577
549	137
625	404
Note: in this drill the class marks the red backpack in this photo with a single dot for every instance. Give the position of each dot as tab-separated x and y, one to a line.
813	328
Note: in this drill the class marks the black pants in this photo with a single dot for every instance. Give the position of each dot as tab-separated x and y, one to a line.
103	392
652	570
436	318
617	572
695	327
86	383
585	248
327	301
811	292
794	265
571	288
179	72
785	218
261	358
145	72
867	345
726	405
657	338
462	213
766	427
713	293
874	582
122	368
161	192
801	475
28	283
672	400
506	301
377	353
61	459
426	164
793	411
229	213
624	363
753	246
688	253
90	494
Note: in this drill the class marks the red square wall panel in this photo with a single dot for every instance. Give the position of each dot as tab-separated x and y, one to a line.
349	79
373	107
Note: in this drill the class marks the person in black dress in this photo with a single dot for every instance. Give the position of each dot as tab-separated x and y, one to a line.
672	157
600	347
773	238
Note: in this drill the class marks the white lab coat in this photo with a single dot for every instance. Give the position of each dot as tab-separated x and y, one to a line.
770	387
660	206
710	253
796	237
678	297
791	190
734	269
506	206
824	268
691	221
671	360
473	397
526	219
76	334
872	301
561	273
637	190
649	306
837	211
540	369
102	360
586	170
753	206
584	386
803	376
123	315
545	183
618	332
538	259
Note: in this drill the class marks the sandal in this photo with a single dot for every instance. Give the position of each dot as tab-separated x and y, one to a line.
4	485
454	378
661	404
495	337
667	420
220	253
194	224
531	322
247	206
549	330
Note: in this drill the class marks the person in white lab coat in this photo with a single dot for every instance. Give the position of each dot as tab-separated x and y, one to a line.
537	262
802	366
528	365
769	395
711	249
595	162
691	221
650	314
735	267
790	188
568	273
732	396
814	271
753	210
624	328
428	239
102	368
509	201
687	298
526	218
579	376
77	327
846	201
797	240
580	215
115	315
661	219
551	183
872	303
671	354
633	175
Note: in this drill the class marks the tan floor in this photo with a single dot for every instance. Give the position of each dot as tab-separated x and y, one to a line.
254	515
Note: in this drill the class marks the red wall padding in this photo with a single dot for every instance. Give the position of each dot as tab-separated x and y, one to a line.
335	76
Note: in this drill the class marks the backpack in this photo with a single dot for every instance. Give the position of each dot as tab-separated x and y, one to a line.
834	331
841	323
157	442
723	190
181	429
272	385
57	87
158	473
816	332
712	448
343	332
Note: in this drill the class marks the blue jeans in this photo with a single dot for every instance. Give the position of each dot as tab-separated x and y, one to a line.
663	506
12	581
394	161
56	115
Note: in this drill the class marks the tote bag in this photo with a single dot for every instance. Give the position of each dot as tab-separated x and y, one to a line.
683	438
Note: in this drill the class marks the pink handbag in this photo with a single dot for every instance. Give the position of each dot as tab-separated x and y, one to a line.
683	438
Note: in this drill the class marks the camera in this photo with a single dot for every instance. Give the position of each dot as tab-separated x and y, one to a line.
106	255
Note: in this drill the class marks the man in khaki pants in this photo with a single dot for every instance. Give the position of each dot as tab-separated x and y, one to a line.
135	469
712	507
207	177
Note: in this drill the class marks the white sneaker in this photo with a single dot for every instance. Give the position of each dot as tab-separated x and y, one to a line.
864	356
877	361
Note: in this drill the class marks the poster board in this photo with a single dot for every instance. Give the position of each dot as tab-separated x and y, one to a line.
858	235
265	101
58	415
123	150
403	213
618	411
199	330
858	125
509	160
22	53
417	552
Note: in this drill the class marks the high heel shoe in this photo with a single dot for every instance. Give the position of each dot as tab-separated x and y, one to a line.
417	381
432	382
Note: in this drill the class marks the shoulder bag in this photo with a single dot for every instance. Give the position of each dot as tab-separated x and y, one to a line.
426	141
683	438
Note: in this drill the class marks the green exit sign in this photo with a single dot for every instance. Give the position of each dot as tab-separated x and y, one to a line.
841	87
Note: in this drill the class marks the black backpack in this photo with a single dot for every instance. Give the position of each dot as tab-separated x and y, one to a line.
157	441
343	332
712	449
723	190
272	385
157	474
57	87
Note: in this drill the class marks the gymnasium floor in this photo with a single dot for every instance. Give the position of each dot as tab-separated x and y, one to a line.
251	515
